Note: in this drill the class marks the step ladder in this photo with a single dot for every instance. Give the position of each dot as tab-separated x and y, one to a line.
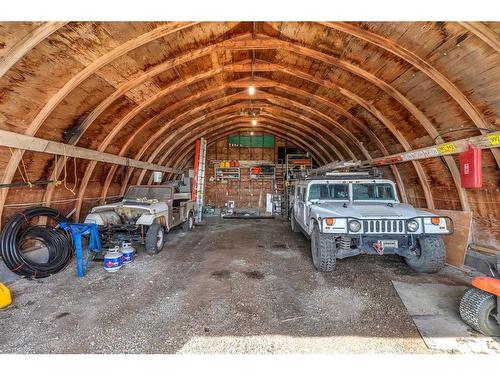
279	190
199	177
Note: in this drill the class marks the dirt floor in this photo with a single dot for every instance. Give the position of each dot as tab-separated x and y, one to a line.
230	286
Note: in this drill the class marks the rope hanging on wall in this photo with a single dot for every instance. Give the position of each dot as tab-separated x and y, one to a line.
64	180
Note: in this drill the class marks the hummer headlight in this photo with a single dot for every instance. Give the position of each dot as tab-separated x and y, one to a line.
412	225
354	226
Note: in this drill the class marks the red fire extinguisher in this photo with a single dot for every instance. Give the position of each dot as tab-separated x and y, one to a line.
471	168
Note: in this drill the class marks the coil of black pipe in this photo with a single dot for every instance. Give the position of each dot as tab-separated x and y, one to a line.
19	229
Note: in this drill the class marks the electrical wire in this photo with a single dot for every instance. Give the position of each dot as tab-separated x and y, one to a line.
59	201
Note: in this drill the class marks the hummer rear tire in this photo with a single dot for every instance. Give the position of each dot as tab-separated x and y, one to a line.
293	224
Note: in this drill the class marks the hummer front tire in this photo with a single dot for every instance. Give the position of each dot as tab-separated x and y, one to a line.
323	250
429	256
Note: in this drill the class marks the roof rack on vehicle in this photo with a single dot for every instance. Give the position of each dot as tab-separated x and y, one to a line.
345	169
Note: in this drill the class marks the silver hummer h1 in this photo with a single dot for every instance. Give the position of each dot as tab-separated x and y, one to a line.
346	214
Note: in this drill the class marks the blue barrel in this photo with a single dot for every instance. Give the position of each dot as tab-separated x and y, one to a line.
128	252
113	259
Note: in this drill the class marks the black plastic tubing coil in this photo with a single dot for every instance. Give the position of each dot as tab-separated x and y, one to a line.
18	230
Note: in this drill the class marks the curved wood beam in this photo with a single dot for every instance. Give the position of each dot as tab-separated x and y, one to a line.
256	128
232	44
45	112
235	124
184	158
244	42
395	172
191	130
400	137
227	128
91	165
225	132
27	43
270	98
206	93
417	62
154	137
183	140
218	121
309	134
271	43
166	127
190	112
124	121
484	33
449	87
211	91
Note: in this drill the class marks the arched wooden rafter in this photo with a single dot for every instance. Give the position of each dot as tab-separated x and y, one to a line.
224	100
405	145
158	149
8	169
484	33
164	92
448	160
305	93
27	43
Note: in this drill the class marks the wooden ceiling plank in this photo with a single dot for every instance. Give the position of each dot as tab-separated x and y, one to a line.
76	80
26	44
484	33
449	87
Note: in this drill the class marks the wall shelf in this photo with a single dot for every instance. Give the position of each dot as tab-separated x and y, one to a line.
232	173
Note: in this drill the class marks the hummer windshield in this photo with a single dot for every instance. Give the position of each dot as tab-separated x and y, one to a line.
329	192
364	192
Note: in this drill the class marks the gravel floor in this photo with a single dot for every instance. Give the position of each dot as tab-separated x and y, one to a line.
230	286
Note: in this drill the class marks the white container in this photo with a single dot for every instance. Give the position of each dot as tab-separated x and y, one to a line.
157	177
128	252
113	259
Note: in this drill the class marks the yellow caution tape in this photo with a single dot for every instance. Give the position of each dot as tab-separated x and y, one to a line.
494	139
446	148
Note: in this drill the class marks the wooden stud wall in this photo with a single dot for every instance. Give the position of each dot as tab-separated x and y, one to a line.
246	192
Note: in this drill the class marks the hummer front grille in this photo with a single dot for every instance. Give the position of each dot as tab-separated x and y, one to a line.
378	226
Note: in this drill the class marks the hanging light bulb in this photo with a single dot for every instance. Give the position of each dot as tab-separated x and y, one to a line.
251	89
254	121
251	133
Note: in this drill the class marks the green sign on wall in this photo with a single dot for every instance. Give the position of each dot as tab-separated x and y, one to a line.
265	141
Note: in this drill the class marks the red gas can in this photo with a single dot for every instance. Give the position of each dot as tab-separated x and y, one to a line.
471	168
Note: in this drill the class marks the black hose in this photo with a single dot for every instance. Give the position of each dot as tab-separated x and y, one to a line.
18	230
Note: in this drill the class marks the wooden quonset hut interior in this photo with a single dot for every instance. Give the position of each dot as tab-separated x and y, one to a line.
88	109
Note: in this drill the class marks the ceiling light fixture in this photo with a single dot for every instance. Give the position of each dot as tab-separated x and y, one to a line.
251	90
254	121
251	133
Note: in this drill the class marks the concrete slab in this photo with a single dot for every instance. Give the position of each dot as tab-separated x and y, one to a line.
230	286
434	309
